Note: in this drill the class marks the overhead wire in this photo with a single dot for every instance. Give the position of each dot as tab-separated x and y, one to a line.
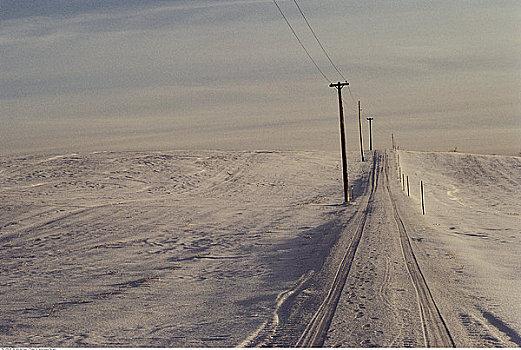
318	41
352	98
300	41
325	52
351	94
320	45
354	106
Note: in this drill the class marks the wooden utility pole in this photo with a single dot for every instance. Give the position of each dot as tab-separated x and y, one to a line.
392	138
360	129
370	133
339	87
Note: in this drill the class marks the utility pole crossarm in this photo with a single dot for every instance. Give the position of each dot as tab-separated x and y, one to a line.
339	85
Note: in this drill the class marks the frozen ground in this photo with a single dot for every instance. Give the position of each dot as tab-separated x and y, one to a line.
471	241
161	249
219	249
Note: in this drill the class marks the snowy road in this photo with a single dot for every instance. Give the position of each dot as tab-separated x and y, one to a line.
378	296
387	301
368	296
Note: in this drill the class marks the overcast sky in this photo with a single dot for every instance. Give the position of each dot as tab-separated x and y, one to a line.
82	75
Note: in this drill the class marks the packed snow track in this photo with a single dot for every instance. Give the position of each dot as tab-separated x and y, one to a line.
434	331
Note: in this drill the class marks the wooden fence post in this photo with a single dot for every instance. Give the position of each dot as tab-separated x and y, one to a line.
423	198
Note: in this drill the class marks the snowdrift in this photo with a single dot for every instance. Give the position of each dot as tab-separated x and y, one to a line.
169	249
472	216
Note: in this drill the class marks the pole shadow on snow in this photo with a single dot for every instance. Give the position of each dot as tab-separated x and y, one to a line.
297	264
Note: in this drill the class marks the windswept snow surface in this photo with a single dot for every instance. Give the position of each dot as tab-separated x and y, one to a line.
214	248
471	245
169	249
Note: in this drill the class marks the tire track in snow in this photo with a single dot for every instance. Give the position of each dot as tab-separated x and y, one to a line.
436	333
259	337
315	333
382	293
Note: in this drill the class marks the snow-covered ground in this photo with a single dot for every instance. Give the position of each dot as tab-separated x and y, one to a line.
471	244
221	248
161	249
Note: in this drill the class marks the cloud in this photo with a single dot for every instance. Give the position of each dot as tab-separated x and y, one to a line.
16	9
158	46
229	62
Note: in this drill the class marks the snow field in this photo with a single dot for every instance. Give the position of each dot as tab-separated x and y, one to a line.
167	249
215	248
472	235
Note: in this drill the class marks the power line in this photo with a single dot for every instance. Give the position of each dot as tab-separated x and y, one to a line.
354	108
300	42
325	52
318	41
351	94
321	46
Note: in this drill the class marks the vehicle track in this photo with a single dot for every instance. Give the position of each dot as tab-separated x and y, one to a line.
435	331
315	333
385	298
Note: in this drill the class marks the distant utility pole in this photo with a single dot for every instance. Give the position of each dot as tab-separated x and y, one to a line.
339	87
360	129
392	139
371	133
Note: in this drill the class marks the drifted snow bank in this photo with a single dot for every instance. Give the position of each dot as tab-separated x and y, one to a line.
473	207
167	249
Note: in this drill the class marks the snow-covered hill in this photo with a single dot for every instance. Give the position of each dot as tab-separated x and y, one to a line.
212	248
473	230
161	249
